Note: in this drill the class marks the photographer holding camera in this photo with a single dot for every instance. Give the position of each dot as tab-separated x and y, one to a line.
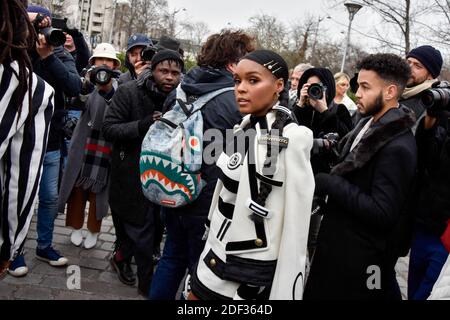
86	176
57	67
431	238
317	111
426	64
133	60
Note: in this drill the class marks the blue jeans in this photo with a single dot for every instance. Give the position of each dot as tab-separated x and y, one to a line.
182	250
428	255
48	199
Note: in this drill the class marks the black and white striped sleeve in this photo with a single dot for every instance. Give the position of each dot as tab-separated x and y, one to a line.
22	150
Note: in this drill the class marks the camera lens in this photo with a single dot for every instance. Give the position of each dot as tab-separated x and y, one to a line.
102	77
438	98
53	36
315	91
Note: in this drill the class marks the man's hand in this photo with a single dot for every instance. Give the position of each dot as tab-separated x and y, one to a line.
157	115
140	66
302	100
43	48
319	105
46	21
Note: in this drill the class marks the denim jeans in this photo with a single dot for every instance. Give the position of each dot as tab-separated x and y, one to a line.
48	199
182	249
428	256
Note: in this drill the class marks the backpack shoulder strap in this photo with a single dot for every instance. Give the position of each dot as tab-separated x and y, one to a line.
204	99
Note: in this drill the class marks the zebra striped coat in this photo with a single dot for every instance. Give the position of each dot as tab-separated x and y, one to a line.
23	141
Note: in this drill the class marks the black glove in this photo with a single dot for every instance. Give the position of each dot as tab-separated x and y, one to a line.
145	124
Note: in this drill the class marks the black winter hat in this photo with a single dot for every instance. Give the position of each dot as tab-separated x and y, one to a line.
430	57
325	76
166	54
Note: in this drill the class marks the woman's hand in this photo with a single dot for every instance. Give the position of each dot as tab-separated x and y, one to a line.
319	105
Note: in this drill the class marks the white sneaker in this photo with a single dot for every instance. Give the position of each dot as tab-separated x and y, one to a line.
76	237
91	240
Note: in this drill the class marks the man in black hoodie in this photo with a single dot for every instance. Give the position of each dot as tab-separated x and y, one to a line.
186	225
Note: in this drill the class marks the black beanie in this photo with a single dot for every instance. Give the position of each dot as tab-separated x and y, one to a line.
166	54
325	76
272	61
430	57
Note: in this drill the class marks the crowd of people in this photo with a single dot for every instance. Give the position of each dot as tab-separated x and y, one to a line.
312	187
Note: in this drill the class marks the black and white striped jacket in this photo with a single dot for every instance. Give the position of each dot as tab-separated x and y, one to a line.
23	141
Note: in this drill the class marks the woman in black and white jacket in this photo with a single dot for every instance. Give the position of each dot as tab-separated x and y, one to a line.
260	212
26	107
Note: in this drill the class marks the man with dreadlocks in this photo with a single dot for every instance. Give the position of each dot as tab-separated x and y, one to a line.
26	107
259	217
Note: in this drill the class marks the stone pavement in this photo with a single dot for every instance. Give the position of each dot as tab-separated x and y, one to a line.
98	280
43	282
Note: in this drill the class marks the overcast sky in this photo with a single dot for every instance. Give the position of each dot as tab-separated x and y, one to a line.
218	14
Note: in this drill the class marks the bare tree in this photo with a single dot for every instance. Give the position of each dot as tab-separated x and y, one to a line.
269	32
146	16
439	30
397	15
193	33
303	34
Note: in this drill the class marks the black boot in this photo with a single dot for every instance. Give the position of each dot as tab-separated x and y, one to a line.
124	271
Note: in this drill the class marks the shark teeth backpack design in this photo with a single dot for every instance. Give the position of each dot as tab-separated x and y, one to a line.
171	155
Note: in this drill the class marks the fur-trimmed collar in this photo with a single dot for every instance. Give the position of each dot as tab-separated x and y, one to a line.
393	124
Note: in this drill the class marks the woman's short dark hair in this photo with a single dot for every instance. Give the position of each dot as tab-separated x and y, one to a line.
225	47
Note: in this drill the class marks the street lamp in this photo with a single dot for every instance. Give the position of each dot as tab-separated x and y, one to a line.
115	3
352	8
319	20
172	21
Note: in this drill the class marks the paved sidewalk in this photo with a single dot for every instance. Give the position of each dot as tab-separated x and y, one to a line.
98	280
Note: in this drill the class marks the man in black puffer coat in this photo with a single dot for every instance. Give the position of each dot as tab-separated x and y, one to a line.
134	108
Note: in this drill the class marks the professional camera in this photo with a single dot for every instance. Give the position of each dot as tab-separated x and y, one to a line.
327	144
148	52
102	75
437	99
53	36
316	91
